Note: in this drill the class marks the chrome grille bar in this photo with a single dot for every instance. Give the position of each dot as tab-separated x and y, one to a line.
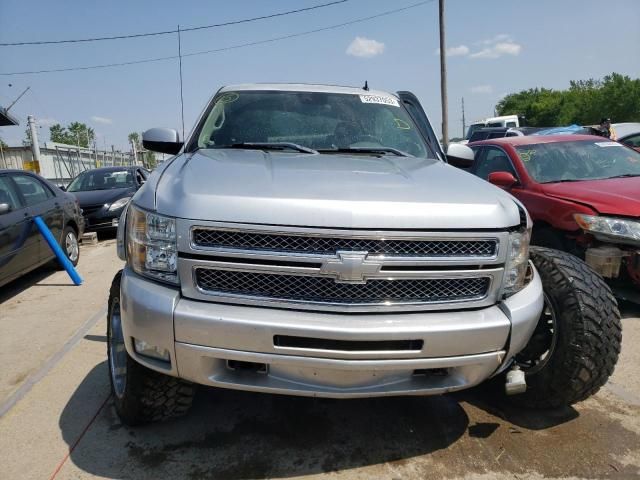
327	290
329	245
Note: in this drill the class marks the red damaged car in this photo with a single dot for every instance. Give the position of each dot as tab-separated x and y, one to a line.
583	193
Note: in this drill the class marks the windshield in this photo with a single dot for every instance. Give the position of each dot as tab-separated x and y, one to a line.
579	160
472	128
101	180
316	120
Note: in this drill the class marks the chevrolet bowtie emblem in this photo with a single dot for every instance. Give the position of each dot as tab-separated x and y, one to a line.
350	267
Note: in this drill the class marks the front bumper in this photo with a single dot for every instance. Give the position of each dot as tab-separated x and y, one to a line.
102	220
207	341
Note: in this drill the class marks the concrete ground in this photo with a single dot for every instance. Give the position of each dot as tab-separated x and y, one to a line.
57	419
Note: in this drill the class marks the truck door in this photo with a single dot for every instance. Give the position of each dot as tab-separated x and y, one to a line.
412	104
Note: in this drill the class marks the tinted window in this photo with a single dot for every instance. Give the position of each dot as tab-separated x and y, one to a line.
632	141
7	194
102	180
32	189
494	160
579	160
497	134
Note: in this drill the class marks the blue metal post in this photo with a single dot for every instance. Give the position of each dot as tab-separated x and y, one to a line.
62	258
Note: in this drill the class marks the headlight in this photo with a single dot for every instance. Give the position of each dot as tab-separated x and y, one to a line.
517	260
152	248
611	226
118	204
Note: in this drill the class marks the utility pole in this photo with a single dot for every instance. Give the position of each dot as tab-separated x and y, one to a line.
35	148
443	79
464	125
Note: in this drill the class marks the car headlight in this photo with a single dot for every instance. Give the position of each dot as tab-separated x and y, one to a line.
610	226
118	204
515	277
152	248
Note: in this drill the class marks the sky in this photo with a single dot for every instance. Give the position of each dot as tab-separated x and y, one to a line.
494	47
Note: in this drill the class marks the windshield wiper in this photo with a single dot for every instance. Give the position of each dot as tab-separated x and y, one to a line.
269	146
565	180
624	175
379	150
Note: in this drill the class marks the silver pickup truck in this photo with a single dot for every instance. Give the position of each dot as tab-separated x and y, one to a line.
313	240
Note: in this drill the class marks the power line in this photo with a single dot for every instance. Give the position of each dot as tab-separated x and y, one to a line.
223	49
167	32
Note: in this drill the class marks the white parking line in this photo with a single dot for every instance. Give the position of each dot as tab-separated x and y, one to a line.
51	362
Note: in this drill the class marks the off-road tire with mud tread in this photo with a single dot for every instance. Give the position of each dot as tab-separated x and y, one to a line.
589	332
149	396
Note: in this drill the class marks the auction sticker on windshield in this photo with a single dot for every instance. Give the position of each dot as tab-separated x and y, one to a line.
381	99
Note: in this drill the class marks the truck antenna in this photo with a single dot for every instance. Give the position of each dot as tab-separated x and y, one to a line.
366	86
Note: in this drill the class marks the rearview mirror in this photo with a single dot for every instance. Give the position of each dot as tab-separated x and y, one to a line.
4	208
162	140
459	155
503	180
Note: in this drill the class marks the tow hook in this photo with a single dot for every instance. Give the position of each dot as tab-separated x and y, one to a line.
516	382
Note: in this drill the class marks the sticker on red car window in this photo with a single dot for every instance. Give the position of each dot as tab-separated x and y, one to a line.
526	155
608	144
381	99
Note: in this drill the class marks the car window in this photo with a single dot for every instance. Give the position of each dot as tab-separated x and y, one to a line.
496	135
632	141
8	194
33	191
494	160
477	136
511	124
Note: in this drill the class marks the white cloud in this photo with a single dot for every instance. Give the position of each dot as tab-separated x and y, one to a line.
482	89
102	120
460	50
501	37
498	50
365	47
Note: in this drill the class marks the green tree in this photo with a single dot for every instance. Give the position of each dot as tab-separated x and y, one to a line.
585	102
148	157
75	133
3	144
135	138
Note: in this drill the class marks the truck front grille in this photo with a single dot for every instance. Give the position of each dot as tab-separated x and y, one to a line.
320	289
329	245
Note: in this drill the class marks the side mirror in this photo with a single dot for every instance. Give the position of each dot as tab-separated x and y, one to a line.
162	140
460	155
503	180
4	208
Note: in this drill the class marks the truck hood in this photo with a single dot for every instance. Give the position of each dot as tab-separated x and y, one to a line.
326	190
614	196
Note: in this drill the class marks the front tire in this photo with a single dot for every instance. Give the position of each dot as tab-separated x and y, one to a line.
575	346
141	395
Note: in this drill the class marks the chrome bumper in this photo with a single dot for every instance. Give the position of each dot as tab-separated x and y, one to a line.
459	349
